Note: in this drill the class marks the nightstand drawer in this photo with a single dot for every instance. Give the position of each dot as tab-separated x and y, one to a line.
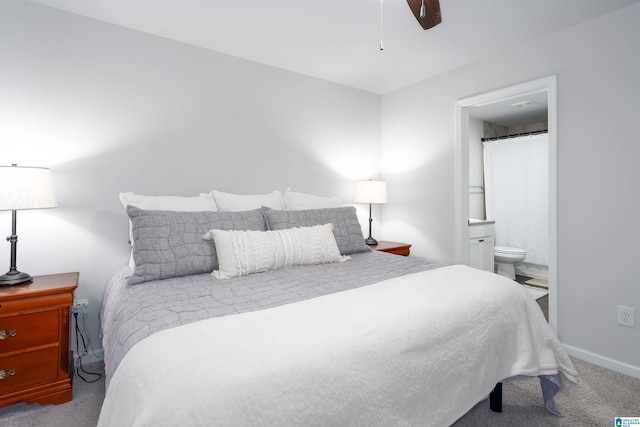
26	369
28	330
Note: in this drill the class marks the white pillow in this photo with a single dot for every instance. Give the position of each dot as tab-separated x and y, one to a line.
299	201
228	202
246	252
200	203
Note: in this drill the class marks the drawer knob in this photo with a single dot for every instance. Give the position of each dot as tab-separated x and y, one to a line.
4	335
4	374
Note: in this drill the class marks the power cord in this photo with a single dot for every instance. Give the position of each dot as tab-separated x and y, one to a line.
79	367
85	328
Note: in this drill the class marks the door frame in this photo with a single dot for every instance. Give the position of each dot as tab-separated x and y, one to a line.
463	106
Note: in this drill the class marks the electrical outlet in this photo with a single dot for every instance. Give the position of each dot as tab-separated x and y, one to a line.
626	316
80	305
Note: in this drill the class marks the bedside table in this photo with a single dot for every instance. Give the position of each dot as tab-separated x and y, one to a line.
35	362
392	247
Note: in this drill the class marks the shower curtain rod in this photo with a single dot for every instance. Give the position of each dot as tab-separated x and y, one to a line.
515	135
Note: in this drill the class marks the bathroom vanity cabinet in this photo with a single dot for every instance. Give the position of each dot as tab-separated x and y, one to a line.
481	242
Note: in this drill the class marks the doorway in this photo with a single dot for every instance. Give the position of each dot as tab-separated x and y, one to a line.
465	109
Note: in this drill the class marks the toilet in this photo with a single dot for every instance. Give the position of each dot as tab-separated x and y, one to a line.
505	258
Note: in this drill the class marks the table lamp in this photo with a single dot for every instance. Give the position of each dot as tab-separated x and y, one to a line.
370	192
23	188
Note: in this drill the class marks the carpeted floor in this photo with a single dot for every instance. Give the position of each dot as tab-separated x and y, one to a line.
600	396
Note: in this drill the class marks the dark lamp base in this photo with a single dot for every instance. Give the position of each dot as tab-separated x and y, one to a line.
14	278
370	241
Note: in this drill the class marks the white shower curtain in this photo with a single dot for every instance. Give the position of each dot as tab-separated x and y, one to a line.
516	174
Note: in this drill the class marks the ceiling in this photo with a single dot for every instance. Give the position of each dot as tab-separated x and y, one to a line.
339	40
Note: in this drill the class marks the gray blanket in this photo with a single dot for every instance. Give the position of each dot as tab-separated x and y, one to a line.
131	313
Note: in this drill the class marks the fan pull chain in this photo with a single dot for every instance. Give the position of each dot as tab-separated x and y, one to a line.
423	11
381	27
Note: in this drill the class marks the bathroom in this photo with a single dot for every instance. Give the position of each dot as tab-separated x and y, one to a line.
508	190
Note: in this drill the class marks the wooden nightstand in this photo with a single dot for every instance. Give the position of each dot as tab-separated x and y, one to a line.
35	362
392	247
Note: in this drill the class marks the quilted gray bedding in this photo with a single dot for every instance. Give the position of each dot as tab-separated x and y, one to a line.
131	313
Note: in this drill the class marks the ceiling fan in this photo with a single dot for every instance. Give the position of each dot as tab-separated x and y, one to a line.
427	12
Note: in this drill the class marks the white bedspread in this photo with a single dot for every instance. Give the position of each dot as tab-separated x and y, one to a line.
420	349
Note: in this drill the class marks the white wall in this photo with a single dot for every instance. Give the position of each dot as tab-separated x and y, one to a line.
110	110
597	65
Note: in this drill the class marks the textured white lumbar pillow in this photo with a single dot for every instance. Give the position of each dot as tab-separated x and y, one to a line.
246	252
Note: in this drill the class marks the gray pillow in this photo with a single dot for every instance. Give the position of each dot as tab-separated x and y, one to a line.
346	227
170	244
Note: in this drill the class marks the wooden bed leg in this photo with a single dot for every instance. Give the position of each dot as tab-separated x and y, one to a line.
495	398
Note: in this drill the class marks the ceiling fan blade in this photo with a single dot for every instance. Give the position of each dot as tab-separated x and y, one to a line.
432	16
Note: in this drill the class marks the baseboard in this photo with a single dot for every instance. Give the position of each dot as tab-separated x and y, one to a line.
605	362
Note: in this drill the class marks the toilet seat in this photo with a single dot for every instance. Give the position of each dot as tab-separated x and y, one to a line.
509	251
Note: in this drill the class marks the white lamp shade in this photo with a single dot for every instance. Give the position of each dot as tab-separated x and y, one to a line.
26	188
370	192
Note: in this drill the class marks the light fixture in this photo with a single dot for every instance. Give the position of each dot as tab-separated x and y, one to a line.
524	104
23	188
370	192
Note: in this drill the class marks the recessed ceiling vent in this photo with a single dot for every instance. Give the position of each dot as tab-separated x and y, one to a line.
524	104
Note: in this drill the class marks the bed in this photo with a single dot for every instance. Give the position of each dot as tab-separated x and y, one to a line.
366	338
